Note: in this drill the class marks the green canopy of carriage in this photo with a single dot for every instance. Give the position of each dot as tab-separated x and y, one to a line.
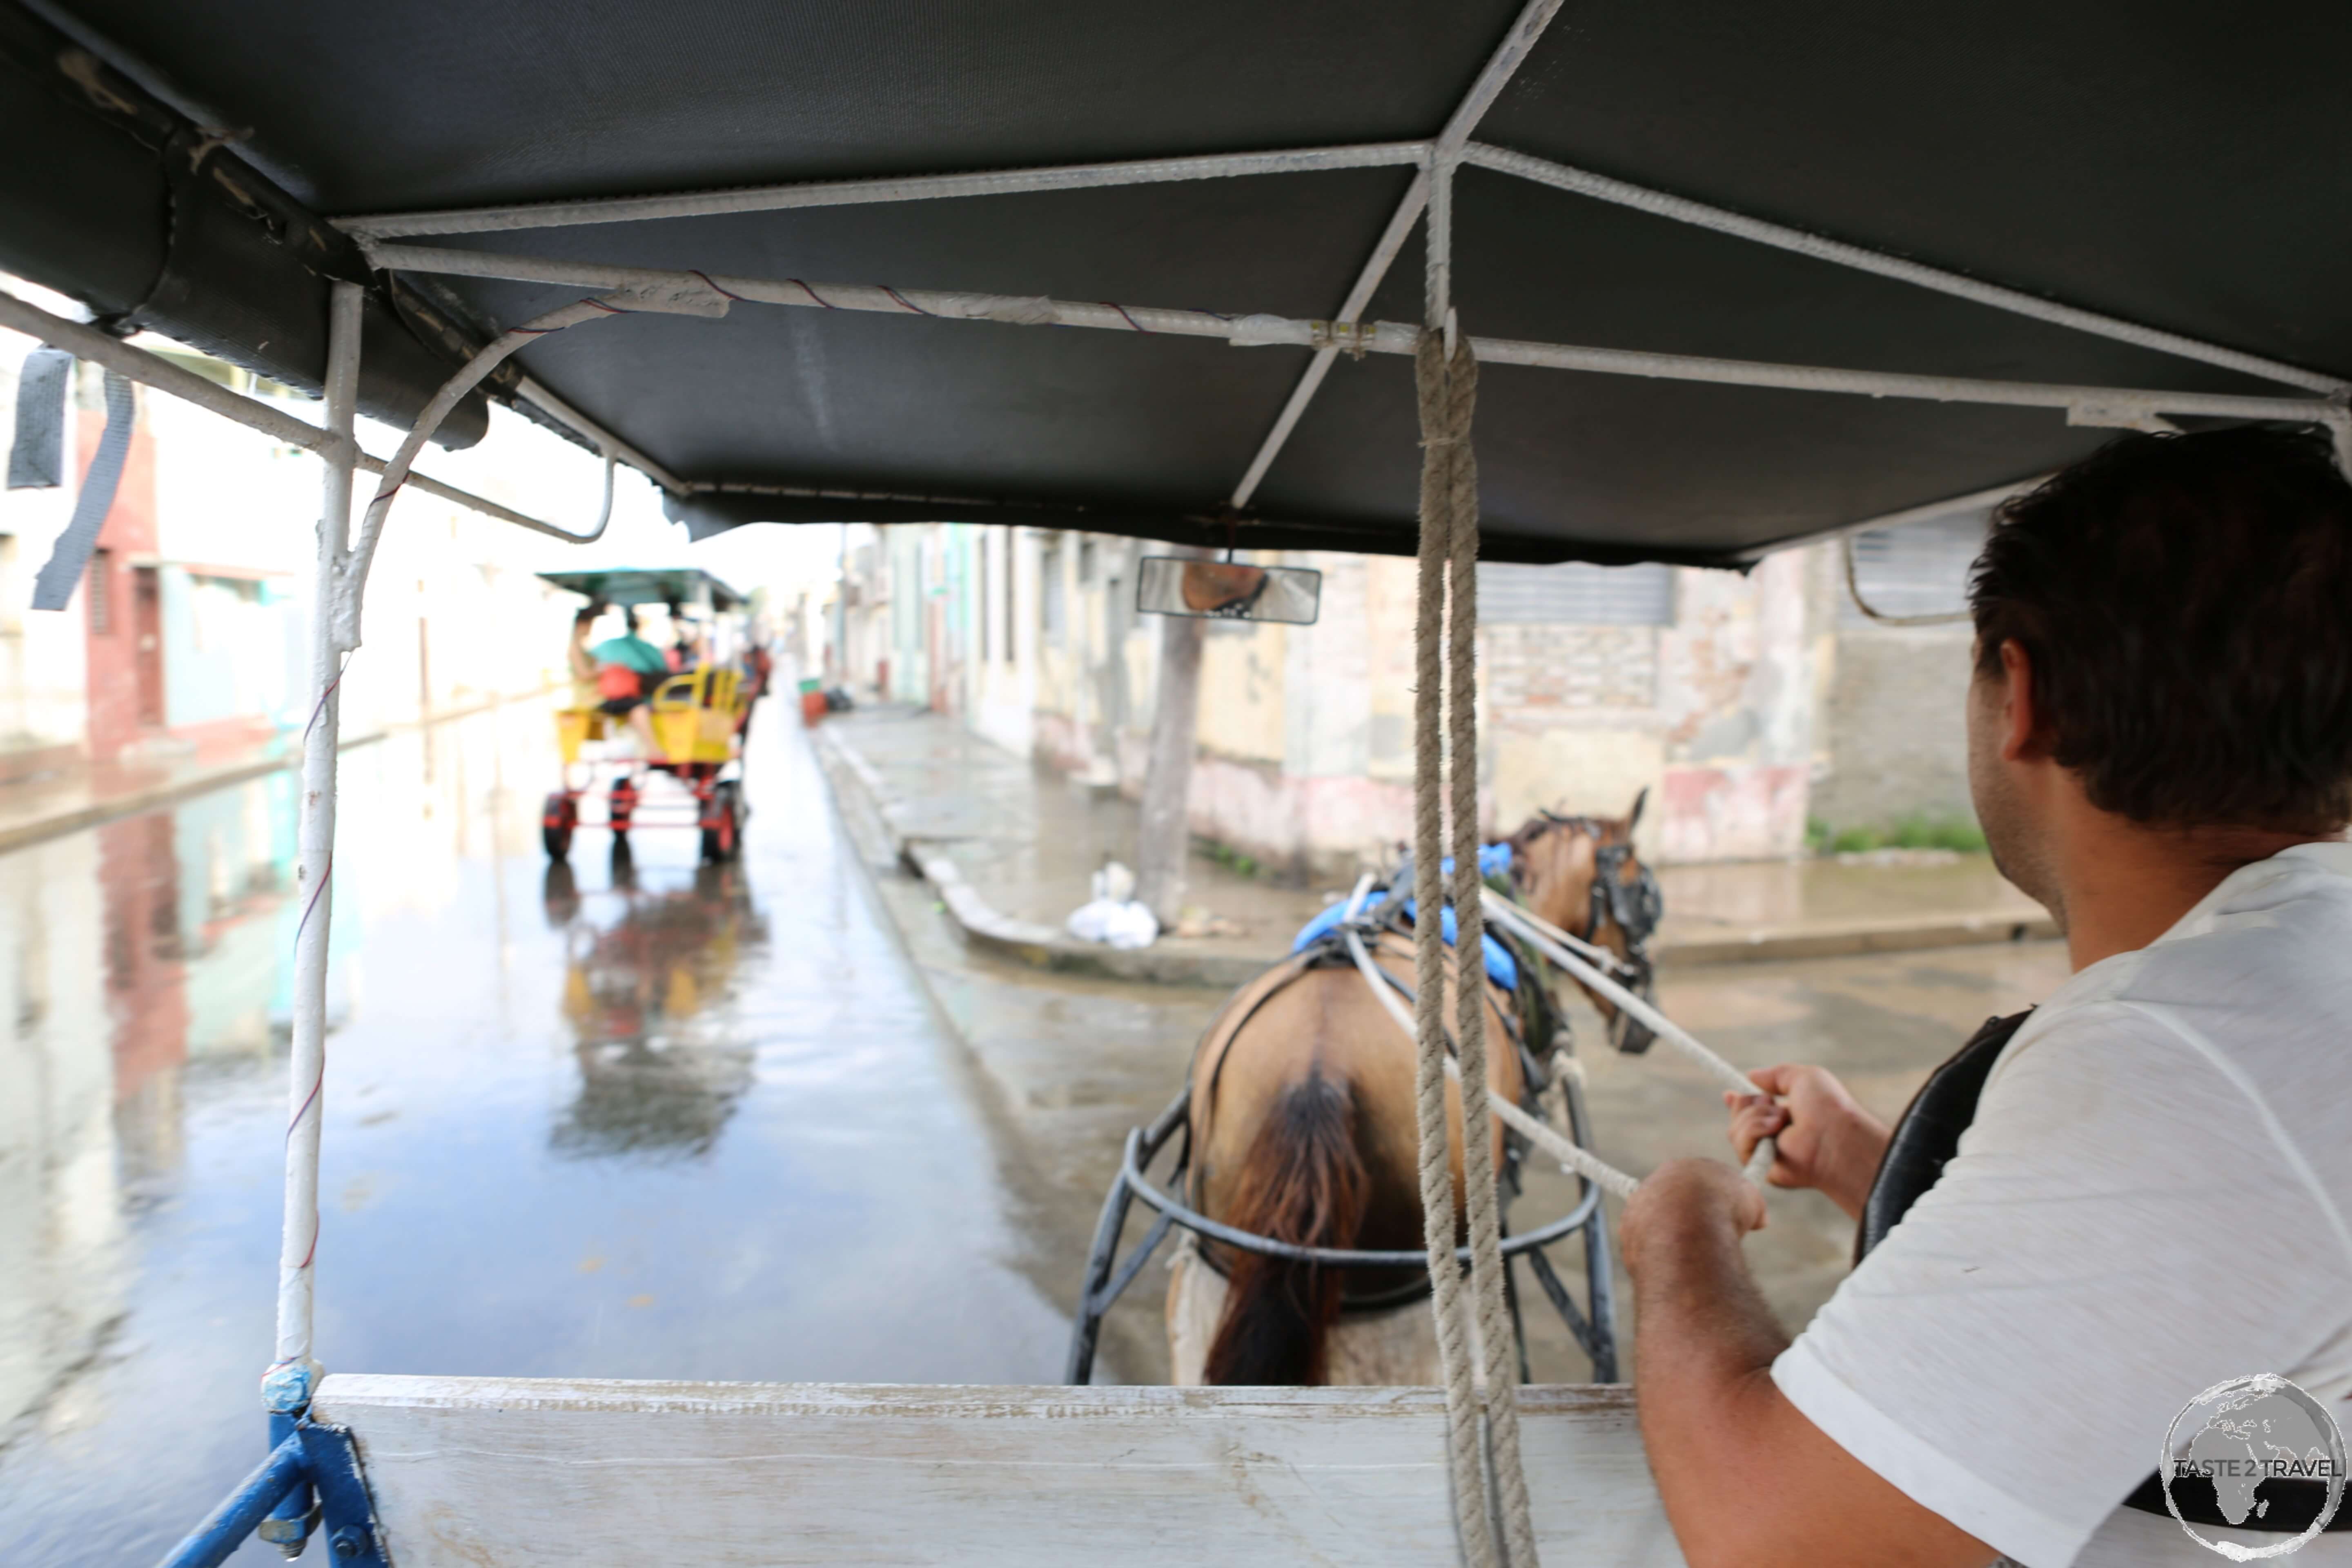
648	586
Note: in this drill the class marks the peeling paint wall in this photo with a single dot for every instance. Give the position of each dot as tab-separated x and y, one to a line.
1736	695
1305	760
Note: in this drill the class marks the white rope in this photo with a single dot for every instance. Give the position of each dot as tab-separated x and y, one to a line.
1544	937
1573	1157
2098	405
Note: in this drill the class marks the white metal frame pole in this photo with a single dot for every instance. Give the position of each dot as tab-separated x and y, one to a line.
1496	74
307	1069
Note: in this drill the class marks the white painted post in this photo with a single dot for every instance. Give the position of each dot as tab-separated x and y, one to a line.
1163	837
306	1080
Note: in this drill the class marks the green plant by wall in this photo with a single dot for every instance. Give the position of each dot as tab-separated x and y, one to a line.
1957	834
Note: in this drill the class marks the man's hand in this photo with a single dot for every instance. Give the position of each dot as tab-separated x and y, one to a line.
1823	1138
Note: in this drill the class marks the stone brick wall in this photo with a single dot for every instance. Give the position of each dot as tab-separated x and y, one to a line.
1897	746
1532	669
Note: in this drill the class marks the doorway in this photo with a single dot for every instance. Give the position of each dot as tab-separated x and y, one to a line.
147	659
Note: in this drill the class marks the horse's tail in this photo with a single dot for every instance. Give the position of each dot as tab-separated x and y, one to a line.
1302	1182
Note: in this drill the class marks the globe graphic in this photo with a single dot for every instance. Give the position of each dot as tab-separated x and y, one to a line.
2256	1438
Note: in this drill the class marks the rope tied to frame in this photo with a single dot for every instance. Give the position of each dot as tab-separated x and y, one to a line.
1481	1381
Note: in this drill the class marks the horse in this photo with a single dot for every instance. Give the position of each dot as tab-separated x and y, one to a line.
1301	1128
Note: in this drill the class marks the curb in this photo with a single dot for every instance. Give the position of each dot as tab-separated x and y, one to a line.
1166	962
983	925
1898	934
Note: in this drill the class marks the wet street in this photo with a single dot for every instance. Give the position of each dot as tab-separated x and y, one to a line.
645	1122
634	1120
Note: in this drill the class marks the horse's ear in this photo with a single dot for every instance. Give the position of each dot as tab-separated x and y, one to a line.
1641	799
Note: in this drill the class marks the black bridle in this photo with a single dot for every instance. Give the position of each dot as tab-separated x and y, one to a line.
1634	905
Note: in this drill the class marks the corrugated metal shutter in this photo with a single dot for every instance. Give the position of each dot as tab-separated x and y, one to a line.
1919	569
1577	593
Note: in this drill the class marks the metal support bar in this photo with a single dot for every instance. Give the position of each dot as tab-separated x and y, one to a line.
1599	1267
311	1455
307	1062
352	1533
1487	85
354	572
912	188
1601	187
604	440
2106	405
1564	1305
1079	1368
224	1529
1340	1256
88	342
1351	310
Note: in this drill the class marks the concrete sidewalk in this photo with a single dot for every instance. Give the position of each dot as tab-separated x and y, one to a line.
1009	846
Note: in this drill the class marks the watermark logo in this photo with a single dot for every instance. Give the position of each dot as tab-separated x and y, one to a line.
2261	1453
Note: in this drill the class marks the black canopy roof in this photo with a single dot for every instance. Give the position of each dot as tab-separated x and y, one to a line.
2181	165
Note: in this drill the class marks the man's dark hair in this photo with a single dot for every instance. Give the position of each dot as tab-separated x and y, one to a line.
2187	604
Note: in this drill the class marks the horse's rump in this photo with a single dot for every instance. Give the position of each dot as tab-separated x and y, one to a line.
1302	1182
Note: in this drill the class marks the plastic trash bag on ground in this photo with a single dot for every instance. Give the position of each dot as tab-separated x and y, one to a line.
1112	917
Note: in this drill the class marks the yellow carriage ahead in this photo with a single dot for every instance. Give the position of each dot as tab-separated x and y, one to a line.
698	717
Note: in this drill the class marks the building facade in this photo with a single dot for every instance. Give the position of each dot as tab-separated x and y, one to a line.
1763	711
188	634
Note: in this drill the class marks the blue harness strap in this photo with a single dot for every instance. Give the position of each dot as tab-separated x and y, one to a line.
1494	860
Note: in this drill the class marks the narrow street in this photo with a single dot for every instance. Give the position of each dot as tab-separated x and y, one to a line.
675	1124
644	1119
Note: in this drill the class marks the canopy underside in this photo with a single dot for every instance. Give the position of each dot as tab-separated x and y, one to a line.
2165	164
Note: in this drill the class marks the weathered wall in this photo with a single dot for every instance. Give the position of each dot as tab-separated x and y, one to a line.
1896	743
1736	693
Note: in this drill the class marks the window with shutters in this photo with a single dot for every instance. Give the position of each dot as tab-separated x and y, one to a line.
1576	593
1917	568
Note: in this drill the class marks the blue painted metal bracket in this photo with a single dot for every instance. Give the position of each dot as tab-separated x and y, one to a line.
310	1455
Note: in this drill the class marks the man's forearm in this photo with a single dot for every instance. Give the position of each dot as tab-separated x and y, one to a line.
1703	1347
1746	1480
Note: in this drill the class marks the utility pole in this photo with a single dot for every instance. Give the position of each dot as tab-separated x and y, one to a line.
1164	838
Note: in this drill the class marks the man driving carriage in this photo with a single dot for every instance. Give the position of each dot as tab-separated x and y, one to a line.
2150	1196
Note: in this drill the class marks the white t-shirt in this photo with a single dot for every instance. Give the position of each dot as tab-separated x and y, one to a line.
2153	1199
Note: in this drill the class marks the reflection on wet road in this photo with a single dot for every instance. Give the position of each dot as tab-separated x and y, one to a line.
636	1119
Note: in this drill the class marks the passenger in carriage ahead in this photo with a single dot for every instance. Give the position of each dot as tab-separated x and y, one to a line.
2139	1190
623	669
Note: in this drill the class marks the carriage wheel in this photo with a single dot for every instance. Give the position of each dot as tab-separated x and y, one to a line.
624	804
722	833
557	819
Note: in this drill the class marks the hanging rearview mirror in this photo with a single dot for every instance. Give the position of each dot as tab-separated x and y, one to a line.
1228	590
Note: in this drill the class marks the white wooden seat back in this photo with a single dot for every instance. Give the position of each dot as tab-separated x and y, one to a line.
508	1472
